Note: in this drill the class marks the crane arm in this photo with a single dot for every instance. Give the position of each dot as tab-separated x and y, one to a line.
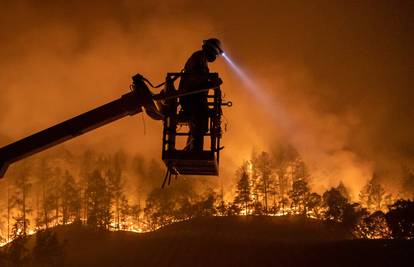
127	105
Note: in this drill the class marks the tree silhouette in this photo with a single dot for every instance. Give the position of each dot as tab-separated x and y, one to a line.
87	165
285	158
135	214
335	204
400	218
283	187
299	195
71	199
243	191
44	178
263	168
49	180
9	209
206	206
352	216
98	201
115	187
22	186
163	206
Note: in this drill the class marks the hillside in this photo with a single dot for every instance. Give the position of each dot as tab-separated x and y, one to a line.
231	241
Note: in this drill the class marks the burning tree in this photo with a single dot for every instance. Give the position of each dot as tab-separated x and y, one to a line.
98	201
22	186
243	198
206	205
373	226
284	157
265	178
372	195
314	203
71	199
115	186
49	182
299	195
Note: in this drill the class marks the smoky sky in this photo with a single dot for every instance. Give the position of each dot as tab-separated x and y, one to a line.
341	70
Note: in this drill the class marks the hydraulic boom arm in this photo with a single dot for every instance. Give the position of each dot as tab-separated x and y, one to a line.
128	104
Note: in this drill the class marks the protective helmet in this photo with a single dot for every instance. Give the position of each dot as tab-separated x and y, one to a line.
213	45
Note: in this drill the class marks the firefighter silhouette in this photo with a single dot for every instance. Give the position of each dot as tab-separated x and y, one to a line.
195	77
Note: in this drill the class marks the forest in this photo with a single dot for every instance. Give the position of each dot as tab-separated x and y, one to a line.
122	192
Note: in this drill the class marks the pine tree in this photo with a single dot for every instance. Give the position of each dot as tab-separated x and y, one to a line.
9	208
71	199
55	193
115	186
44	177
22	186
161	206
48	182
263	166
283	189
88	163
135	214
98	201
124	213
299	195
243	191
284	158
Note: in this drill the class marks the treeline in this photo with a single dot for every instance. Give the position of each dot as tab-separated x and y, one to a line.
120	192
376	215
90	189
278	184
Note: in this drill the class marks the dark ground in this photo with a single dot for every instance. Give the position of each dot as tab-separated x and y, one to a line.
233	241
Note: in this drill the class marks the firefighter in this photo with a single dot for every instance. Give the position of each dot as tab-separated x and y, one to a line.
196	77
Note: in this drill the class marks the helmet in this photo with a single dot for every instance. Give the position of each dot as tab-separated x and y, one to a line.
213	45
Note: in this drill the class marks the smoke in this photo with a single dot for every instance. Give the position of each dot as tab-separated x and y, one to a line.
339	74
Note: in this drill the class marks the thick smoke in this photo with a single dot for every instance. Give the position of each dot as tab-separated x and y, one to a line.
341	71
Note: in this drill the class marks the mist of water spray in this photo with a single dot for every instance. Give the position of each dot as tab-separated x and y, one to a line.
263	99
